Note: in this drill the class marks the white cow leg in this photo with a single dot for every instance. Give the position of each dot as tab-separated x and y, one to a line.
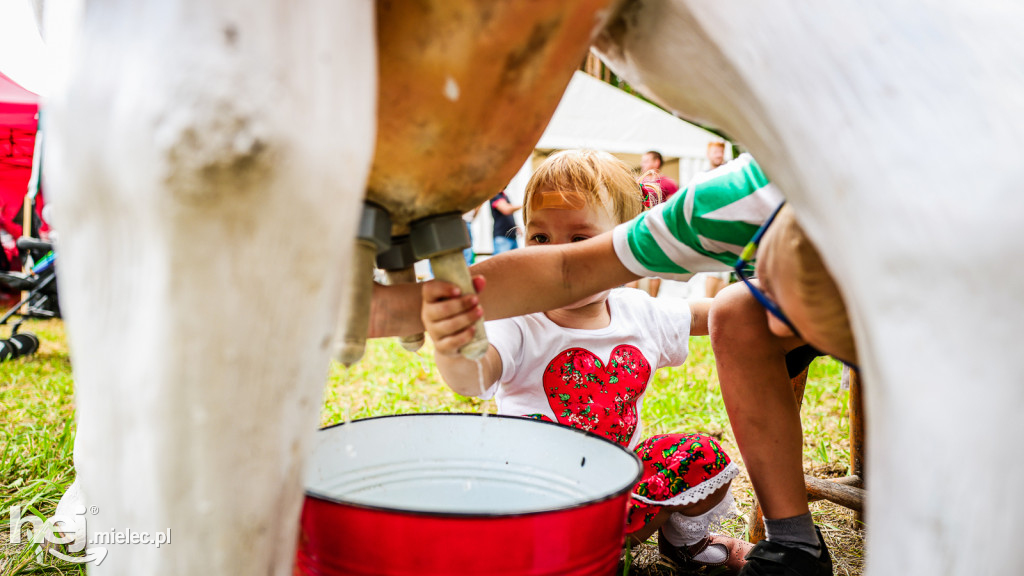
896	132
206	160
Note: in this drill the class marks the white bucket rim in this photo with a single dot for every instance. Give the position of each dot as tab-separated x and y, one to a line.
484	515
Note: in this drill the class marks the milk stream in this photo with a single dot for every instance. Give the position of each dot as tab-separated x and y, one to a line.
480	380
468	485
349	449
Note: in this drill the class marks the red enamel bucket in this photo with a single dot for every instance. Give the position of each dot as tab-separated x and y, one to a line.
443	494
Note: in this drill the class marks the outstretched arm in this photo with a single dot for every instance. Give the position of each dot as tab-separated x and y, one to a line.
540	278
533	279
395	310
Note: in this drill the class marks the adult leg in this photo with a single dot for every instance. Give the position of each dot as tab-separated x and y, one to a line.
759	399
766	422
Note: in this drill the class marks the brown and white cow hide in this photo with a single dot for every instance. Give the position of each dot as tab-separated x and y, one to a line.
207	158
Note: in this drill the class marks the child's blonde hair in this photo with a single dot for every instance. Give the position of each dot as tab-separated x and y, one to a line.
598	177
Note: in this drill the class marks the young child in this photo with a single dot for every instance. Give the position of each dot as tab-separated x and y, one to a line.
702	228
588	364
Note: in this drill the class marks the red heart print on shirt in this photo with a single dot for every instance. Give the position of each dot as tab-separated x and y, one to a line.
585	393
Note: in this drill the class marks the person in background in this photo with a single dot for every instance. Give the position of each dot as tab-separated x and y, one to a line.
651	162
504	223
716	154
655	188
650	194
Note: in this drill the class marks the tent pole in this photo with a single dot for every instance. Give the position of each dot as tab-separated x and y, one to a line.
30	195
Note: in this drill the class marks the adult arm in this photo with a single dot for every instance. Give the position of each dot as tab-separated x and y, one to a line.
534	279
541	278
395	310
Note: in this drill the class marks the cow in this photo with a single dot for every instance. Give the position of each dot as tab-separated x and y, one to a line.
206	159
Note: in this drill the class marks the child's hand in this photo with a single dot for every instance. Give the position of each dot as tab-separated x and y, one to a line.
449	316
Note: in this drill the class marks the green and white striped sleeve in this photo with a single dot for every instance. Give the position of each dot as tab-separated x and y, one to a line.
702	228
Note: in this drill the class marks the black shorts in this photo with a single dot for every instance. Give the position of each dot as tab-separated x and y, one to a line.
798	359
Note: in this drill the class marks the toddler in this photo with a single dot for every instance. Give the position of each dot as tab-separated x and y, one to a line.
588	364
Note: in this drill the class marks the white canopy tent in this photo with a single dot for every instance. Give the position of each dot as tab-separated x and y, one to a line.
596	115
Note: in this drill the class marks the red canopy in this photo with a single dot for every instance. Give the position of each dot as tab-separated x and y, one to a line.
19	111
18	107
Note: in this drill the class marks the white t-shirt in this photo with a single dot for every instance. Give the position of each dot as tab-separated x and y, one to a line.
590	379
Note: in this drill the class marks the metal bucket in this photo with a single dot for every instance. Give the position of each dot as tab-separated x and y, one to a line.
433	494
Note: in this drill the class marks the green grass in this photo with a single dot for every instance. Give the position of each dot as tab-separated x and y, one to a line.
36	440
37	432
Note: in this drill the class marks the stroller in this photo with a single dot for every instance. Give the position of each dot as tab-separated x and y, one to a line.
40	300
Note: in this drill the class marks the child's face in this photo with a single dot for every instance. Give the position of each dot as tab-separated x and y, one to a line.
564	224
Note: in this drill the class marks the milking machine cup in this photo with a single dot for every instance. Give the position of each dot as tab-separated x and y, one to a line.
442	239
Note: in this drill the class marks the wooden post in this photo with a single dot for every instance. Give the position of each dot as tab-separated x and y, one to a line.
755	525
26	230
857	440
